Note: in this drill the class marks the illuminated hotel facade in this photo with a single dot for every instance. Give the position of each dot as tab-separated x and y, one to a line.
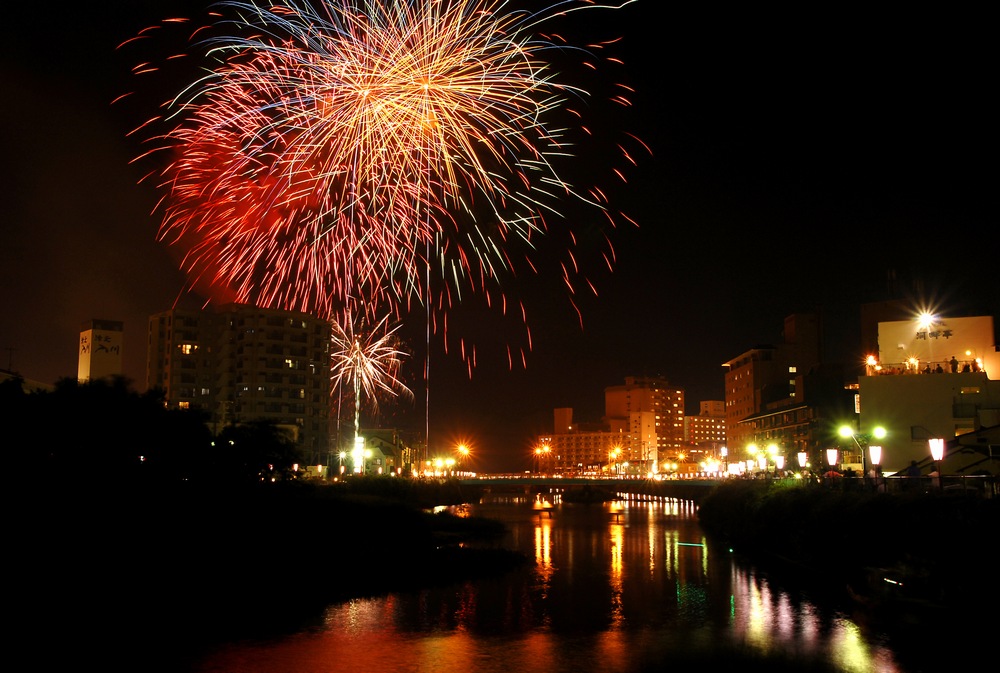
643	425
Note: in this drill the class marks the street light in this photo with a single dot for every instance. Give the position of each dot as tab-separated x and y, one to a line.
875	453
539	452
754	456
846	431
937	453
772	449
831	457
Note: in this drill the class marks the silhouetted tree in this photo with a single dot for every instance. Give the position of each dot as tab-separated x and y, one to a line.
99	431
254	452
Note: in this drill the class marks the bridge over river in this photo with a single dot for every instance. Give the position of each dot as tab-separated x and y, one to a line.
685	489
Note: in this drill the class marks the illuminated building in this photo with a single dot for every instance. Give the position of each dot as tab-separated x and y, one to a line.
100	350
905	393
651	413
766	375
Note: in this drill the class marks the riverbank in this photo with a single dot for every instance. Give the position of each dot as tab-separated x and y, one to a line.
916	565
144	576
154	572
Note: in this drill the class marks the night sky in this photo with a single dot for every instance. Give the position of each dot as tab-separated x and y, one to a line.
807	160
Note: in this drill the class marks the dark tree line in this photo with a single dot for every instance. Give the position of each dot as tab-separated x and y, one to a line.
104	430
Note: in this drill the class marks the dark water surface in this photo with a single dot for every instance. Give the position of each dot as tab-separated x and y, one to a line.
617	587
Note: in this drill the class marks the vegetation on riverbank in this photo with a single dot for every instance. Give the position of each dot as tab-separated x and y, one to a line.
903	555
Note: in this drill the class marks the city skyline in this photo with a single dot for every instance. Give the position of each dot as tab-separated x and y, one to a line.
818	167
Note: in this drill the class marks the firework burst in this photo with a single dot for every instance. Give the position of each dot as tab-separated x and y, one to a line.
347	152
367	360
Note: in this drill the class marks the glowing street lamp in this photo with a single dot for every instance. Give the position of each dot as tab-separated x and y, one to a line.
846	431
754	460
772	450
937	453
539	452
875	453
937	448
831	457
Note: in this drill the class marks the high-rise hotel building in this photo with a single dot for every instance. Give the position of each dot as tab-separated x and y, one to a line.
651	412
240	363
643	425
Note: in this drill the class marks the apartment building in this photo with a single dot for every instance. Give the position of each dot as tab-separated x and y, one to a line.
240	363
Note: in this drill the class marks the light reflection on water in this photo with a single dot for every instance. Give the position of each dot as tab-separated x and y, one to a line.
617	588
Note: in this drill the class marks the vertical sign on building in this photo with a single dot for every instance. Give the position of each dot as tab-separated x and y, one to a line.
100	350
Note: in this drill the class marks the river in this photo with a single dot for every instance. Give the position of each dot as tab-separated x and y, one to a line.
619	587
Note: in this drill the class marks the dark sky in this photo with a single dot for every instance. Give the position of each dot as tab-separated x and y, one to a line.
812	159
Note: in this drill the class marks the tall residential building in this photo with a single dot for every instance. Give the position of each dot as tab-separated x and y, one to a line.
241	363
100	350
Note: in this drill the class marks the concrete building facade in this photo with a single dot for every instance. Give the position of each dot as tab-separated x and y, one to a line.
904	393
100	353
241	363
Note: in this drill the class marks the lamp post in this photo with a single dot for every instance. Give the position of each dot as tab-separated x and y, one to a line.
772	451
937	453
875	454
846	431
831	458
754	460
613	459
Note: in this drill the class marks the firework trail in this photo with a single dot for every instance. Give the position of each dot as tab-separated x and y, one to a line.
383	154
368	360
